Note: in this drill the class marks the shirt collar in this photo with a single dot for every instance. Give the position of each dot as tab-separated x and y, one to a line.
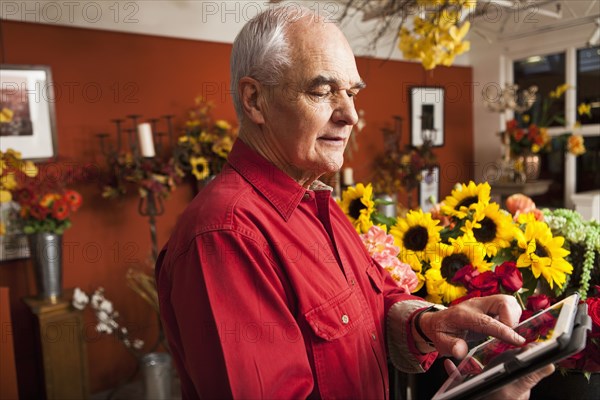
279	189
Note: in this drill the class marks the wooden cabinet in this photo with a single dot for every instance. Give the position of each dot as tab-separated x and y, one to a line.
62	348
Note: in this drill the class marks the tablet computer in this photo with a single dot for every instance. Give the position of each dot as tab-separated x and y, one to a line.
551	335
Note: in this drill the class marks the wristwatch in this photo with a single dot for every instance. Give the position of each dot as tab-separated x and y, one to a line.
417	321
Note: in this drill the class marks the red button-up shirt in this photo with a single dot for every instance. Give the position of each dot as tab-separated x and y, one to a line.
266	291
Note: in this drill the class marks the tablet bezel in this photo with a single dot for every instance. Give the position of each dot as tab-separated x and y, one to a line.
561	333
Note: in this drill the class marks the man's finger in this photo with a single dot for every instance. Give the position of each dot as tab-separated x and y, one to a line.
489	326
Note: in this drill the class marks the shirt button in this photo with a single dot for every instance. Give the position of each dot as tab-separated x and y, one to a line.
373	336
352	282
345	319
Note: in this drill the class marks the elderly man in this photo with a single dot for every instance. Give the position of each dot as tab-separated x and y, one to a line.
265	289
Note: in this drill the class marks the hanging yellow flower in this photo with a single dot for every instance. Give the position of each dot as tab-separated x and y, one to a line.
357	203
543	253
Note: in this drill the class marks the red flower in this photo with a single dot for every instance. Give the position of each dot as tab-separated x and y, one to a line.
73	198
24	196
533	133
593	304
486	282
538	302
518	134
512	124
38	212
465	275
60	209
510	277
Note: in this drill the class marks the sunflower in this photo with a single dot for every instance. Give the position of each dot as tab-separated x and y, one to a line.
357	203
200	167
447	260
492	227
417	235
543	253
466	198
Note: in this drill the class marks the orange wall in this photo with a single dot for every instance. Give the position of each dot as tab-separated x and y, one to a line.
154	76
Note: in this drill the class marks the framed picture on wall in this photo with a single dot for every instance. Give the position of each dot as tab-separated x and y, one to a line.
426	115
429	189
27	119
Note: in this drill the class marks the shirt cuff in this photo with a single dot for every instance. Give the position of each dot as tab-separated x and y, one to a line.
401	346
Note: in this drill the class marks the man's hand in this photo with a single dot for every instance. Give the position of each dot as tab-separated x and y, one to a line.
517	390
491	316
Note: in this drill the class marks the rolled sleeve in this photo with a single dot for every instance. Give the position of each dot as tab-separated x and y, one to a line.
401	347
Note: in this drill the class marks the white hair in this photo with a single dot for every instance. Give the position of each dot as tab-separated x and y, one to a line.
261	49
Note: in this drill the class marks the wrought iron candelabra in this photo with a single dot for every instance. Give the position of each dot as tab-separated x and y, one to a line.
136	160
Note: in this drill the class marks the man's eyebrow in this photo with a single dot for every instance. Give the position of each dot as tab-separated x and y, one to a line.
324	80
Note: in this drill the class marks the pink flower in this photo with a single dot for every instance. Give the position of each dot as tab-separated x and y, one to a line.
403	275
378	242
381	247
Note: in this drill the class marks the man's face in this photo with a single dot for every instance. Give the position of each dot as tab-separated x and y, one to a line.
310	114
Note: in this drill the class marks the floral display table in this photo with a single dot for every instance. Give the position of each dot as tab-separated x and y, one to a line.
63	349
530	188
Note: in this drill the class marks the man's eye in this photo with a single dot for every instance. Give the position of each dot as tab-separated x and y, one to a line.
320	94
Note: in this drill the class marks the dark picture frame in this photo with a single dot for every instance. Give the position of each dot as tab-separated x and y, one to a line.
28	123
428	187
426	115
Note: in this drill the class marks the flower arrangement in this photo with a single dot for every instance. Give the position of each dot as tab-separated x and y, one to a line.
528	131
45	204
107	318
204	148
155	175
469	247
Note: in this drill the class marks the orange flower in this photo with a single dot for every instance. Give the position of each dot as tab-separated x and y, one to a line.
575	145
73	198
60	209
518	134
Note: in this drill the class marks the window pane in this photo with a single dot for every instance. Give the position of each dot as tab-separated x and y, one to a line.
588	83
547	73
588	165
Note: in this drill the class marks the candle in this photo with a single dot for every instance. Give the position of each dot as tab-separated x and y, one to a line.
348	177
146	140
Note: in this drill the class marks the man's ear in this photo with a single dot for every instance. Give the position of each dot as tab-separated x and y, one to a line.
251	96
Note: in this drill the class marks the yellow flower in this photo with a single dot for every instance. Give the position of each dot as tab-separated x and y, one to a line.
6	115
200	167
466	198
8	181
2	228
447	260
585	109
5	196
559	91
526	118
416	235
543	253
491	227
223	147
357	203
575	145
223	125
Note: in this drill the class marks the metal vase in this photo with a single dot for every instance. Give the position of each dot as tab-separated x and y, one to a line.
157	373
46	253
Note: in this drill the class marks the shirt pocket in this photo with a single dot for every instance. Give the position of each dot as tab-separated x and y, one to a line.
375	277
337	316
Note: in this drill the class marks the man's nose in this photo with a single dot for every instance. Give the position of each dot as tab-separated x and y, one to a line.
344	111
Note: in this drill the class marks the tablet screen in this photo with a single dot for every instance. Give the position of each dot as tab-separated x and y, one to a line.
536	330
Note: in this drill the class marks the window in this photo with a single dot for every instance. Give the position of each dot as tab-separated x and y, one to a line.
547	73
588	82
